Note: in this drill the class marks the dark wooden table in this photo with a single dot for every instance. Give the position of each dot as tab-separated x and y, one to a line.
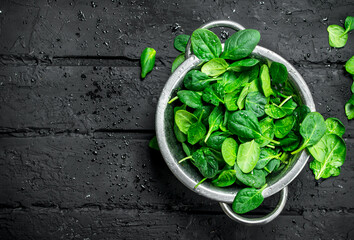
75	120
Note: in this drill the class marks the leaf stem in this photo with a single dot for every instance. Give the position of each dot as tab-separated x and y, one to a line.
265	168
184	159
173	99
208	135
287	99
213	79
262	188
269	139
200	182
270	146
303	146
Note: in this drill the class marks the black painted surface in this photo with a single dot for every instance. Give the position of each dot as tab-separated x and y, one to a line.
75	120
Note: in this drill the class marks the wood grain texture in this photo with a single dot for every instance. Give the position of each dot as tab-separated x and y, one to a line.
120	171
94	223
125	28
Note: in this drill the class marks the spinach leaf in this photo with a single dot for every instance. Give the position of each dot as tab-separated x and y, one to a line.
241	44
215	67
272	166
206	112
196	131
255	102
211	95
329	155
197	81
254	86
238	82
335	126
312	130
289	139
256	178
248	155
184	120
283	126
349	67
265	81
216	140
336	36
245	124
180	136
267	129
190	98
274	111
247	199
230	100
180	42
349	24
215	119
253	73
205	44
300	113
241	65
225	179
289	106
265	157
178	61
229	151
154	144
186	149
242	98
349	108
278	72
206	163
147	61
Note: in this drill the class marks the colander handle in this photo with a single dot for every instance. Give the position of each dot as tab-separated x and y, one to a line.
213	24
258	221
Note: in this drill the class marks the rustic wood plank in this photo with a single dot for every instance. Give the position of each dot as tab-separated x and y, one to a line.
78	98
88	98
118	170
93	223
125	28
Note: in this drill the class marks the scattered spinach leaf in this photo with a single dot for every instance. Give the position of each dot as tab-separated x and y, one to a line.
147	61
154	144
335	126
336	36
178	61
329	155
180	42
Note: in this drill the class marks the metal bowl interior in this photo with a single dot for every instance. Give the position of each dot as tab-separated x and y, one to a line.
172	152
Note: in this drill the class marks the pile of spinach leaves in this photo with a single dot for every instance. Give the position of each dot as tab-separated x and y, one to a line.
239	119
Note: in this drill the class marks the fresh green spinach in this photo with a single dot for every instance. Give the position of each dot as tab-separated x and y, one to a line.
147	61
229	151
241	44
248	199
205	44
